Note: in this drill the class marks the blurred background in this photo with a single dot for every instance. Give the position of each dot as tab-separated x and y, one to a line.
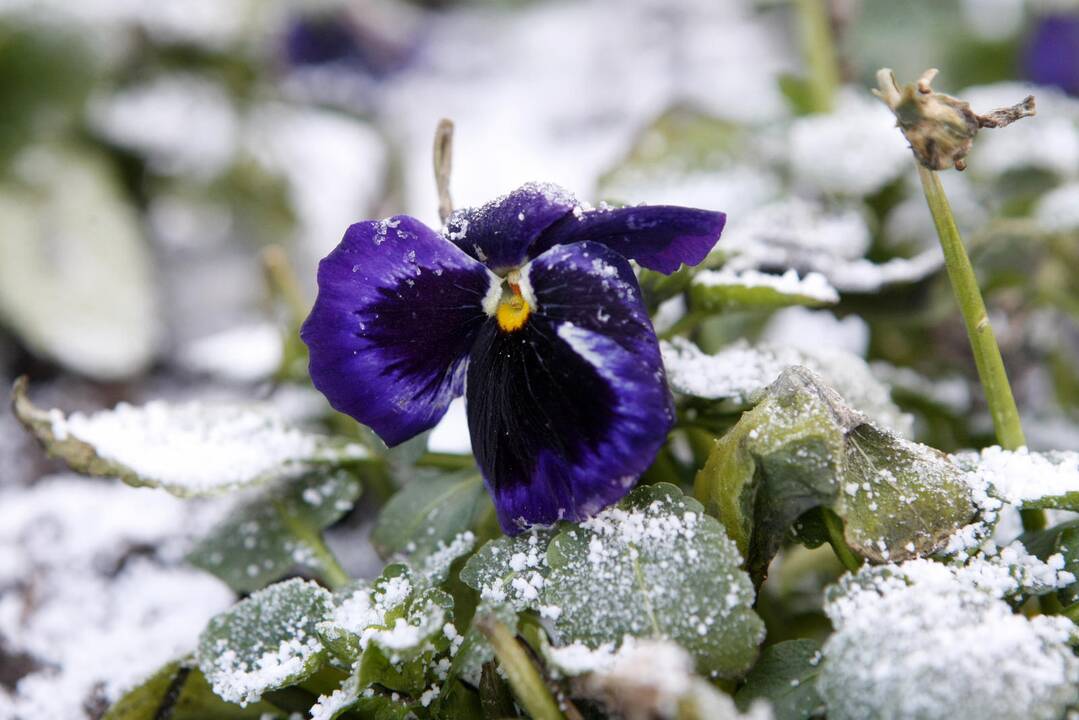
171	173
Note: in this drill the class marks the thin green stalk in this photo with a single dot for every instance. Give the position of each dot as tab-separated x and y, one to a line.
818	48
325	562
522	675
834	526
983	343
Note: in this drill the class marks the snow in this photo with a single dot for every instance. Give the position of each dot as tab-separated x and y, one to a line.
808	330
854	150
1022	476
810	237
1049	141
243	354
334	166
814	285
451	435
241	682
194	447
923	639
184	124
328	706
71	548
573	117
741	372
1058	209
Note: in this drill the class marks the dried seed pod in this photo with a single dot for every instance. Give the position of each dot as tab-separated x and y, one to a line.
940	128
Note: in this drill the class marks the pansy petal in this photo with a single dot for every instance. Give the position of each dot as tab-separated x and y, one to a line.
398	309
568	410
659	237
500	233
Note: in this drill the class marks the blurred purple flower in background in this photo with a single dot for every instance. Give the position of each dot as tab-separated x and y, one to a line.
529	306
343	40
1051	56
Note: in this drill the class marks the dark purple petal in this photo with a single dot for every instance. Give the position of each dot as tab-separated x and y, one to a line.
1051	56
500	233
398	309
568	411
659	237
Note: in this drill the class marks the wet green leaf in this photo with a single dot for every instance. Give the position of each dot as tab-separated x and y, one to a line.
800	448
785	676
182	691
277	529
428	521
76	283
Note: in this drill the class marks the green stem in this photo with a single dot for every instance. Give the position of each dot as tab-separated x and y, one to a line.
983	343
522	675
818	47
325	562
834	526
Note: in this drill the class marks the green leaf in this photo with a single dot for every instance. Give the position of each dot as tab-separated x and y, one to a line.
428	520
266	535
188	449
655	566
76	283
183	692
475	651
265	642
800	448
785	676
716	291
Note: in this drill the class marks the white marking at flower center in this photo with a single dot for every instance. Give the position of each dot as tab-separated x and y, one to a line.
494	294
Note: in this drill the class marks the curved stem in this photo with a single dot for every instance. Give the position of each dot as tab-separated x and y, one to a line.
838	542
983	343
522	675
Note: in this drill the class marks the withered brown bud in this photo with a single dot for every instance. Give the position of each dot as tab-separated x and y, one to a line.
940	128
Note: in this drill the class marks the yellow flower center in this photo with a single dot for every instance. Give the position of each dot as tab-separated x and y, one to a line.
513	310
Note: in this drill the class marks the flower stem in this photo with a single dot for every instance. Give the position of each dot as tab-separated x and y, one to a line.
818	48
324	562
522	675
834	526
983	343
443	159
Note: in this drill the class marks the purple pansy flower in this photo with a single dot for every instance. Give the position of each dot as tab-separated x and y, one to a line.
530	307
1051	56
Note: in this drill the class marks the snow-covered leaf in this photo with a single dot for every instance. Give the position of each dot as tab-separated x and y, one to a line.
510	570
1025	478
366	704
655	566
802	447
265	642
785	676
76	282
267	534
926	640
428	520
393	626
808	237
188	449
738	375
1061	541
717	290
